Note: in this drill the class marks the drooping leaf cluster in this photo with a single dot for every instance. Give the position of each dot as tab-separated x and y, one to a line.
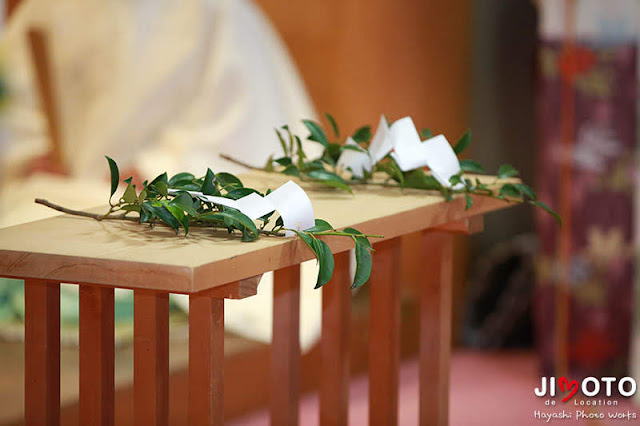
324	170
165	200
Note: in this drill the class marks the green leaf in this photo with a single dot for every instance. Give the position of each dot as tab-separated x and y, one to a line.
236	219
506	171
166	216
115	175
291	170
471	166
160	178
420	180
352	148
363	264
308	240
510	190
185	202
208	187
325	261
178	214
426	134
333	123
462	143
146	213
321	225
468	201
130	195
283	144
268	166
161	187
329	179
284	161
363	134
391	168
456	179
228	181
236	194
547	209
359	236
181	179
526	190
317	134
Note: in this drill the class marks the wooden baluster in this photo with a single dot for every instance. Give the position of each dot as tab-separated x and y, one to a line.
151	357
206	360
384	334
96	355
336	319
435	329
42	352
285	347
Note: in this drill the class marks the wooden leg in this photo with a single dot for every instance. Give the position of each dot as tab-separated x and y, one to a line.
384	334
206	360
435	331
42	352
336	318
96	356
285	347
151	357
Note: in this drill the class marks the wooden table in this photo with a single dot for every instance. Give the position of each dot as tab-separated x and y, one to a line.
210	266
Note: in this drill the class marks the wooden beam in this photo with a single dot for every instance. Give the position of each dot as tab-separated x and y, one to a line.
42	352
151	357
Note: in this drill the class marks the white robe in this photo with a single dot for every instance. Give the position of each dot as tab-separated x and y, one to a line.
161	85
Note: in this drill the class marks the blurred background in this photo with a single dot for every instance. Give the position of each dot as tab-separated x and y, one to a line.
549	86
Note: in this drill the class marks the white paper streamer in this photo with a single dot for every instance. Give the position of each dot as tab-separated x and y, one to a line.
357	161
408	150
381	143
289	200
403	141
442	160
294	207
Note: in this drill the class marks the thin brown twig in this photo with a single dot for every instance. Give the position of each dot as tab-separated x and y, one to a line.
239	162
123	216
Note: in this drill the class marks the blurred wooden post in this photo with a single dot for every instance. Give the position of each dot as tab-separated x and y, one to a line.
45	84
384	334
435	329
96	355
151	357
206	360
285	347
42	352
336	320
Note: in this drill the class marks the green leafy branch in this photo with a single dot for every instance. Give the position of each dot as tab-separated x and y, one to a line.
324	170
165	201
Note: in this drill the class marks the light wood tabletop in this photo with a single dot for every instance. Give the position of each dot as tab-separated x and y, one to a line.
125	254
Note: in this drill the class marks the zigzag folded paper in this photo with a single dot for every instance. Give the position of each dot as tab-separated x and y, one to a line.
289	200
402	140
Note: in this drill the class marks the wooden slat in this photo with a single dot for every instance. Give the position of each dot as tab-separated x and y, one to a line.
96	355
336	316
285	347
151	357
384	334
435	330
206	360
42	352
